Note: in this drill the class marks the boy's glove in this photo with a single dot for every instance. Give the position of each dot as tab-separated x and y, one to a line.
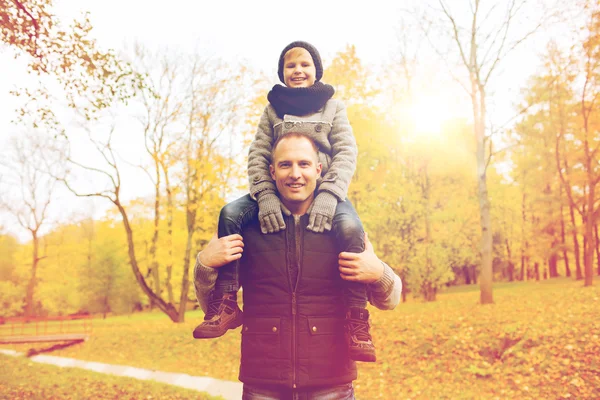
269	213
321	213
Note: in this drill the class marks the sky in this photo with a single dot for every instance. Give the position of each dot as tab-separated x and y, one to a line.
253	33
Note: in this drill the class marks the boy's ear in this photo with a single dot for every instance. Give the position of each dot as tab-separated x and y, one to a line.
272	171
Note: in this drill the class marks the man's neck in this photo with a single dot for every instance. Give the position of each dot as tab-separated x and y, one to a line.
298	209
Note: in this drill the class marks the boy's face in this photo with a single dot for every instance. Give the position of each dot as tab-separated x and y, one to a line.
298	68
295	169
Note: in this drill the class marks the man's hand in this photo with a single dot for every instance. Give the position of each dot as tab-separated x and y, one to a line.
221	251
362	267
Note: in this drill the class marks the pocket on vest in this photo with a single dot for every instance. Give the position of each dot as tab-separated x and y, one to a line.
261	347
327	351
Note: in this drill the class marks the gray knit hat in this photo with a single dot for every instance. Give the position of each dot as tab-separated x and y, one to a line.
314	53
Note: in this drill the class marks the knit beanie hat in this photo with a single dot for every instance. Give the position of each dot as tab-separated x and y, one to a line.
314	53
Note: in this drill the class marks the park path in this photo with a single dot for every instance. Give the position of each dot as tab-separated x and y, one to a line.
227	389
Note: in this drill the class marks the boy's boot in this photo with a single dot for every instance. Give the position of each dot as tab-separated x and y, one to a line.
223	313
358	338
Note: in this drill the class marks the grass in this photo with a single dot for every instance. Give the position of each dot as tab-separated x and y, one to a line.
21	378
539	340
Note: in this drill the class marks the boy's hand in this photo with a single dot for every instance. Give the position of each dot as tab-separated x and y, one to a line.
269	213
221	251
321	213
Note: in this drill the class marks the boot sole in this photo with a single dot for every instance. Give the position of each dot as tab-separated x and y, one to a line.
208	332
363	356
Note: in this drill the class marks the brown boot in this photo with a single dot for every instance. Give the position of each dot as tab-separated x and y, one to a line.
222	314
358	338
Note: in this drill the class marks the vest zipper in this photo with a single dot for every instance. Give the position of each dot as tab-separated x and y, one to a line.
294	305
294	340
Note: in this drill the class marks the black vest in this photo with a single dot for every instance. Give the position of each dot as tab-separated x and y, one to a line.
293	333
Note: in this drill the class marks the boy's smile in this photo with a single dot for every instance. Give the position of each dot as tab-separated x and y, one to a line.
298	68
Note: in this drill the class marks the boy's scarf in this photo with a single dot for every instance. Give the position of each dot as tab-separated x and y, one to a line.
299	101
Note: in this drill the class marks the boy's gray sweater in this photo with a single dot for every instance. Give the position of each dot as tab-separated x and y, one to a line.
329	128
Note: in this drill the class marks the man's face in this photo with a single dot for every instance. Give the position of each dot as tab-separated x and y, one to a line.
298	68
295	169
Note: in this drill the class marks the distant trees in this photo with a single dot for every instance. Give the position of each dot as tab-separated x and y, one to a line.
560	132
421	199
30	167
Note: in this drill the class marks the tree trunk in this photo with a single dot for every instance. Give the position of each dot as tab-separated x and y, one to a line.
164	307
578	273
465	270
563	236
154	241
479	113
185	282
589	234
169	285
524	242
30	291
597	249
169	237
553	266
567	187
511	265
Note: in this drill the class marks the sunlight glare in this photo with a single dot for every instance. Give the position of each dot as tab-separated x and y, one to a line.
428	114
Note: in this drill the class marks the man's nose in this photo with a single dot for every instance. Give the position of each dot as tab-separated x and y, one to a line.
295	172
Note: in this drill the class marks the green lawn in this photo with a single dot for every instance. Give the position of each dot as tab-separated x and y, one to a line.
538	341
21	378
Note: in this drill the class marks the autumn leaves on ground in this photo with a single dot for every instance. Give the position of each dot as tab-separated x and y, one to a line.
539	341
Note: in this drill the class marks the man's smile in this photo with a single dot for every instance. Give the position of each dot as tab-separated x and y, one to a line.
295	185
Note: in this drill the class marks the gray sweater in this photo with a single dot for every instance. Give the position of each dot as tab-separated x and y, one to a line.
329	128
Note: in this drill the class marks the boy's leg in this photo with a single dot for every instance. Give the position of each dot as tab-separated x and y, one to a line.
350	237
233	217
223	312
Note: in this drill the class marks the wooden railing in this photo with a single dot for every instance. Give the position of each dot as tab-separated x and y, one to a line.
45	329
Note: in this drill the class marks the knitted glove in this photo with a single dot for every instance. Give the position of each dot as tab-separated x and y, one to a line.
269	213
321	213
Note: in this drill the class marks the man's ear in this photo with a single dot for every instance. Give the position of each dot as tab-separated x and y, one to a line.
319	168
272	170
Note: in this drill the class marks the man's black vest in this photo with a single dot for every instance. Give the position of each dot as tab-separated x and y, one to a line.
293	333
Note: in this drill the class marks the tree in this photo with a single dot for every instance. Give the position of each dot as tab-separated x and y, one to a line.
481	46
32	169
190	123
11	295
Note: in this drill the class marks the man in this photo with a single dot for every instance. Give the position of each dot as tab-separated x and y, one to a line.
293	343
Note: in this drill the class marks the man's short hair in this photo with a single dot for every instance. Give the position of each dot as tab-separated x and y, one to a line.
296	135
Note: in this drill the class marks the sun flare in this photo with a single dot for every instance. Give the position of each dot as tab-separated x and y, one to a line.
427	114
